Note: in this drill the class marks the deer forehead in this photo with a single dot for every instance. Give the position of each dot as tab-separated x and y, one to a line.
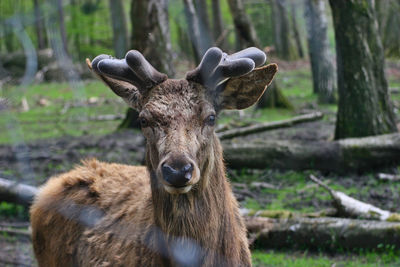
177	100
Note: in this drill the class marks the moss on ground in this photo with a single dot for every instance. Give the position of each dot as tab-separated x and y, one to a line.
301	259
295	192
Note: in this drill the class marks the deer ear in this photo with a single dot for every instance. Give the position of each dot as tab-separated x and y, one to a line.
243	91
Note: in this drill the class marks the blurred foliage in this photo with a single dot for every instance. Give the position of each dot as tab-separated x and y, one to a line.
9	210
89	31
88	24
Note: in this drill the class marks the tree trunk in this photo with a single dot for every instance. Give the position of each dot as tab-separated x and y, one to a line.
274	98
9	38
39	25
120	40
184	41
244	28
150	36
204	22
352	154
364	105
218	26
390	33
75	8
296	33
60	11
198	44
282	31
131	120
382	13
318	48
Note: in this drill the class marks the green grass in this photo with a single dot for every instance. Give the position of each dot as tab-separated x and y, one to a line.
61	116
296	259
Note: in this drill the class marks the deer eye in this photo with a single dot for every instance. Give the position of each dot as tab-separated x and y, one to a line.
143	122
210	120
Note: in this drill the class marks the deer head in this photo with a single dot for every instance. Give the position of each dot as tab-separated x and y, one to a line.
178	116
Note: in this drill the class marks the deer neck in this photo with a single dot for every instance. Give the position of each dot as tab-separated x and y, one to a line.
201	210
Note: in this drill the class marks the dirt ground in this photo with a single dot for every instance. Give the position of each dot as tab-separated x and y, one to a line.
33	163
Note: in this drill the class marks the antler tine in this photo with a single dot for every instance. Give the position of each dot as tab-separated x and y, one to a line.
204	70
115	68
144	70
255	54
134	69
217	66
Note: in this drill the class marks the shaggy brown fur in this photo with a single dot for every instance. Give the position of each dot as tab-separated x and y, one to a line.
102	214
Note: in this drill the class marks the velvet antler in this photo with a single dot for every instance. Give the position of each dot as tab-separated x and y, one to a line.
217	66
134	69
130	77
234	81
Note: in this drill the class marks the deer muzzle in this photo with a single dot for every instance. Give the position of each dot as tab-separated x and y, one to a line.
178	173
177	177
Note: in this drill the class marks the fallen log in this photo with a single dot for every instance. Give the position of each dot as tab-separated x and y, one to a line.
354	208
322	233
352	154
13	192
287	214
269	125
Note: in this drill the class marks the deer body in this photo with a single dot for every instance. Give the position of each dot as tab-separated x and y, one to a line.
180	210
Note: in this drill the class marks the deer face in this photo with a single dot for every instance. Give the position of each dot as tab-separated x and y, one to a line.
178	122
178	116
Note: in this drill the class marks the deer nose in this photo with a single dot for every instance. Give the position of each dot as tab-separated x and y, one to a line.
177	177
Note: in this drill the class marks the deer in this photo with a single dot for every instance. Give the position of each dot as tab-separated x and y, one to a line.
179	209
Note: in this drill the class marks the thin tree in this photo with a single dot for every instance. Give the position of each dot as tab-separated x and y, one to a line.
389	20
75	10
118	21
323	74
297	37
204	21
218	26
39	25
282	30
199	45
364	105
274	98
60	11
244	28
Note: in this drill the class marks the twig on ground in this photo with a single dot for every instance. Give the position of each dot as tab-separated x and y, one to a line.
269	125
351	207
